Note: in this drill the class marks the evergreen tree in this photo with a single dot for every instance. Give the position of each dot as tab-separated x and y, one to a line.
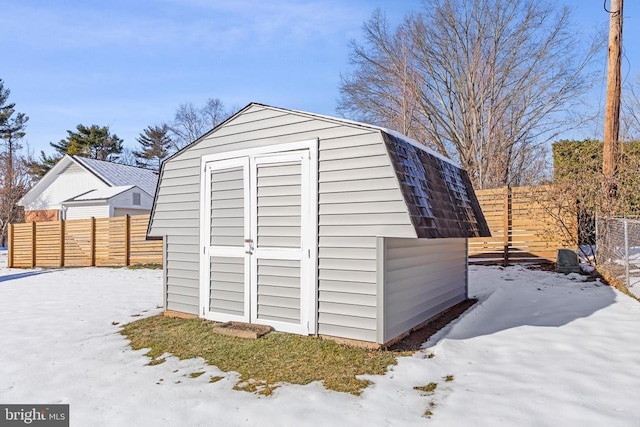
94	142
37	168
12	126
13	182
155	143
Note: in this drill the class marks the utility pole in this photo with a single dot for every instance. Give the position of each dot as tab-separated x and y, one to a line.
612	111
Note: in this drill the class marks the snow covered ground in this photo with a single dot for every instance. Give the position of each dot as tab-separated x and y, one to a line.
539	349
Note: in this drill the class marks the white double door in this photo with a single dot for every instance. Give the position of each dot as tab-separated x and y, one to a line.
259	235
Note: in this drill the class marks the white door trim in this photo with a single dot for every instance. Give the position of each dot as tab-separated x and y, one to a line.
309	269
234	251
310	144
300	157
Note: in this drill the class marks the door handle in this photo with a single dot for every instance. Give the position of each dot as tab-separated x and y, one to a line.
249	242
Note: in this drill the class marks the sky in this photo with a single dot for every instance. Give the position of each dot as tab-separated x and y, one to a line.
130	64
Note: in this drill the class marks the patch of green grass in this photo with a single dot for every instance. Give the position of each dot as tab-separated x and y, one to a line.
215	379
265	362
448	378
429	388
195	374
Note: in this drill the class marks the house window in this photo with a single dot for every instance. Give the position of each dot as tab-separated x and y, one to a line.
136	199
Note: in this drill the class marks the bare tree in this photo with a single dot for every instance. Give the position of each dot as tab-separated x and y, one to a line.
631	112
128	157
191	122
214	112
11	192
488	82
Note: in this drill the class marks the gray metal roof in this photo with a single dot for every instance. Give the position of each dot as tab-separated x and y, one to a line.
101	194
117	175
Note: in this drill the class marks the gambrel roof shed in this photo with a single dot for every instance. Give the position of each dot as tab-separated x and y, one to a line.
314	225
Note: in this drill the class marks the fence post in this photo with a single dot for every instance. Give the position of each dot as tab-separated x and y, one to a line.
507	224
33	244
10	243
62	243
92	238
127	239
626	253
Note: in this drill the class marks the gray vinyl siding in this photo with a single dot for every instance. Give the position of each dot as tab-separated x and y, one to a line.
279	290
227	207
226	287
421	278
279	205
124	202
279	211
359	199
182	275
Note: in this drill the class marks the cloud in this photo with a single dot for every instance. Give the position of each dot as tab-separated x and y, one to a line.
173	24
275	20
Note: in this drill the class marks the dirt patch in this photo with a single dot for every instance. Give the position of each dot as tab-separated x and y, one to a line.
553	268
415	339
545	266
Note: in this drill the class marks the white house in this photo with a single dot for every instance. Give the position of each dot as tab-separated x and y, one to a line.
77	187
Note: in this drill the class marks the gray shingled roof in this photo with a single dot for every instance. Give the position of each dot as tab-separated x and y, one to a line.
117	175
438	194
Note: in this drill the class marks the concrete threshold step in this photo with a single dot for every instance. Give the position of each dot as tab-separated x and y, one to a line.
242	330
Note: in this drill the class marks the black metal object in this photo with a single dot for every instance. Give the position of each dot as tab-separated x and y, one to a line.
438	194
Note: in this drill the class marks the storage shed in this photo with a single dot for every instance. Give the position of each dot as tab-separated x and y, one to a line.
313	225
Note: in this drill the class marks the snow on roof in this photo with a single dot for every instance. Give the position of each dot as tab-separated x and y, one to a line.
101	194
416	144
116	174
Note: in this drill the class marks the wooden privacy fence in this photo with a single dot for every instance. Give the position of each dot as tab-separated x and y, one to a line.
524	226
112	242
522	229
